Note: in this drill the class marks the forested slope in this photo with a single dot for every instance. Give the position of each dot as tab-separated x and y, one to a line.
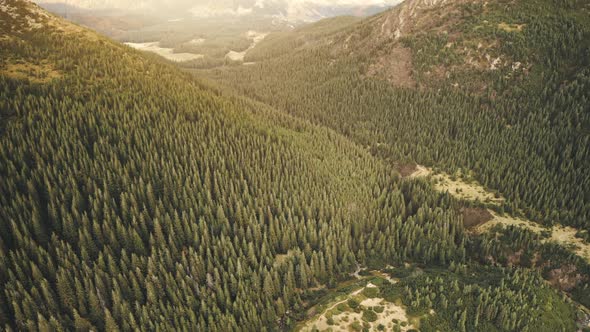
498	88
136	197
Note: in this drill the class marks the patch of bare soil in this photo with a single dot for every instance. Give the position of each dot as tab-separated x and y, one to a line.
565	278
406	170
473	217
514	259
395	67
420	171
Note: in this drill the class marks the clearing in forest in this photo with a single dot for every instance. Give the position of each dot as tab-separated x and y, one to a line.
420	171
361	309
563	235
463	188
167	53
255	37
511	27
471	190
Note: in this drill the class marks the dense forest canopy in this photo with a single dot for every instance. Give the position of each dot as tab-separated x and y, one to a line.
498	89
136	196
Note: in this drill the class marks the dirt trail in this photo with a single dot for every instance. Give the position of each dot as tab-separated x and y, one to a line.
390	316
309	326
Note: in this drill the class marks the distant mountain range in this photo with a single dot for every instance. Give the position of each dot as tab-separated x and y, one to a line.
293	12
304	11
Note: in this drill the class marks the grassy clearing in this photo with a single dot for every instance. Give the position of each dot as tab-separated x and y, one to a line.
461	187
565	236
465	189
167	53
511	27
359	310
421	171
282	258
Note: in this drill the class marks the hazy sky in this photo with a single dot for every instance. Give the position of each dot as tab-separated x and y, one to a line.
218	7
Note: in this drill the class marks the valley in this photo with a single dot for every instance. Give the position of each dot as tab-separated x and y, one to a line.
255	37
170	54
167	53
382	173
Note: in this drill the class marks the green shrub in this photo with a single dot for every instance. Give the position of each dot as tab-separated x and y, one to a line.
371	292
353	303
356	326
369	316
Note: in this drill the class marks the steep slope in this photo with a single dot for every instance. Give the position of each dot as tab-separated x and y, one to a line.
471	44
430	96
134	197
498	89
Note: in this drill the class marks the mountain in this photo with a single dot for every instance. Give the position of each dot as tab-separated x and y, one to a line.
480	73
159	205
297	12
109	22
138	196
292	12
486	93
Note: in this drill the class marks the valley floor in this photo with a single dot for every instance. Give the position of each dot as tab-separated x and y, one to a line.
470	190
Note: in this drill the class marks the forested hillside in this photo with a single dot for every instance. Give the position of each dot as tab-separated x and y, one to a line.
134	196
498	89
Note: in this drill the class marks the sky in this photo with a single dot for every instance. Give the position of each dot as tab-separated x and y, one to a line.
211	8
